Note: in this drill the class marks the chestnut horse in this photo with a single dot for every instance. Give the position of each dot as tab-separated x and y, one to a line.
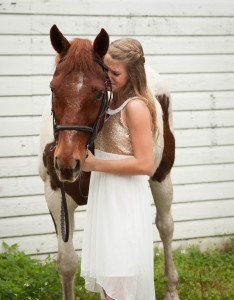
78	89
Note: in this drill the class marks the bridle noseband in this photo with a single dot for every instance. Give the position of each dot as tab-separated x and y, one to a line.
93	130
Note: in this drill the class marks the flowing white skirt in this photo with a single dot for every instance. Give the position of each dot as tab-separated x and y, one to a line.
117	252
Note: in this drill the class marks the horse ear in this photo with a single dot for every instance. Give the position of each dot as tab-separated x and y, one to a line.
101	43
58	41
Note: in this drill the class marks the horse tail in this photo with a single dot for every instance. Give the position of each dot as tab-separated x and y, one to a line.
168	156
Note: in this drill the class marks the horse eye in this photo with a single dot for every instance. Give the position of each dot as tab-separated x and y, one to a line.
99	94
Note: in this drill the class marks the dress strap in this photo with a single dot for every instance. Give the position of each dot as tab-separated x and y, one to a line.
118	109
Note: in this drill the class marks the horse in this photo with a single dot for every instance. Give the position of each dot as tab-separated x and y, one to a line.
70	122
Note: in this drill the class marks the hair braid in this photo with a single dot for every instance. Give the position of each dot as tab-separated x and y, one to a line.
131	53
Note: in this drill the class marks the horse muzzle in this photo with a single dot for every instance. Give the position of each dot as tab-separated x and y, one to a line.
67	170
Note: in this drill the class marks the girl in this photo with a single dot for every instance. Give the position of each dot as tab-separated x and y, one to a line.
117	255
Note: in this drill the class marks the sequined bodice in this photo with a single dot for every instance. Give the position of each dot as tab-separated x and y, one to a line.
114	137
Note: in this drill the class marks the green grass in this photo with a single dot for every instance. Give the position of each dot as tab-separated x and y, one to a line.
207	275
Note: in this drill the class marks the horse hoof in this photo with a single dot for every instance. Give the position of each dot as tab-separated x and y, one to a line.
171	295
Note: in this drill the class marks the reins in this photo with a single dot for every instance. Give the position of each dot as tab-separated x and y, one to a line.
93	130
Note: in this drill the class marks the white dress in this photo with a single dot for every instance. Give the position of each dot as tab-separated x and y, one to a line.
117	252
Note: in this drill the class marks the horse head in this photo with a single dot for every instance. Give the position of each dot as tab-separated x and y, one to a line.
78	87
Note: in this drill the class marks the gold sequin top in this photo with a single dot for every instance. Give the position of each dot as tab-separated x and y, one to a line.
114	137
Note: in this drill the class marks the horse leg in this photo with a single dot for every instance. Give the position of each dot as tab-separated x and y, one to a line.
163	194
67	259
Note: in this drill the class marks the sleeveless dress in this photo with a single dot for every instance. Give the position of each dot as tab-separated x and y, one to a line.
117	252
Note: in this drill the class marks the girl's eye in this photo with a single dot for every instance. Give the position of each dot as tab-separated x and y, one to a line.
116	74
99	94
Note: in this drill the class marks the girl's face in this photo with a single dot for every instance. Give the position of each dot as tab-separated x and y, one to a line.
116	71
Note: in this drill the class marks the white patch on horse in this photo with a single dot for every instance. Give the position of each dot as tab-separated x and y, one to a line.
80	81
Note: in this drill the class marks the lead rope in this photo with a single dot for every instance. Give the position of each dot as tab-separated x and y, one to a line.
64	214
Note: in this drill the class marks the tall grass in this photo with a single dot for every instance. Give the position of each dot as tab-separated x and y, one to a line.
207	275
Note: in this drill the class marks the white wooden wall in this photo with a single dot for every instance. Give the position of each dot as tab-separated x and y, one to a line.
191	43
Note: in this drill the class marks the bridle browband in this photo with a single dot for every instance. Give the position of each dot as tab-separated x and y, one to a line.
93	130
104	106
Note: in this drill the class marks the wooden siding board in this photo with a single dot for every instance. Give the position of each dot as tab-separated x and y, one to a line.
36	204
8	24
46	243
203	119
39	85
199	82
21	186
44	65
115	25
207	173
29	145
16	65
204	137
23	206
180	174
30	244
191	63
203	210
19	146
176	82
31	185
27	225
153	45
13	126
43	224
18	166
22	85
182	193
103	7
23	105
189	45
30	125
191	102
26	206
203	191
26	166
204	155
189	230
203	101
15	45
132	25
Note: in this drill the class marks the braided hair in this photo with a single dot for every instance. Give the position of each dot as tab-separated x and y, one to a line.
130	52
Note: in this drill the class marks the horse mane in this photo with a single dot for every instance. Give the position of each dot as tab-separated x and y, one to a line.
79	56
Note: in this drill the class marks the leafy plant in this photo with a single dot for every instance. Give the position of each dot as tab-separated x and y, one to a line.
22	277
207	275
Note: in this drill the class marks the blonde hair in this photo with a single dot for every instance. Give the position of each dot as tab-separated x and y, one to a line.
131	53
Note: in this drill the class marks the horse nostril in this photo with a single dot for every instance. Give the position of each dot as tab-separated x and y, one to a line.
56	163
77	166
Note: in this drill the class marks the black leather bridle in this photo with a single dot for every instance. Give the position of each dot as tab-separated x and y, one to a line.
104	106
93	130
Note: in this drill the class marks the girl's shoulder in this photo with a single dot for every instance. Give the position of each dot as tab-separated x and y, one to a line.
136	110
137	104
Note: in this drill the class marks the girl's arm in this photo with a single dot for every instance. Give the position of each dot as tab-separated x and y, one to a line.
138	120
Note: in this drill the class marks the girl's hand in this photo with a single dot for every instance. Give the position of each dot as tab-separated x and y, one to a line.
89	163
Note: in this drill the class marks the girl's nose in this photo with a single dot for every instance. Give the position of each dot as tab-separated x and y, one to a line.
110	76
